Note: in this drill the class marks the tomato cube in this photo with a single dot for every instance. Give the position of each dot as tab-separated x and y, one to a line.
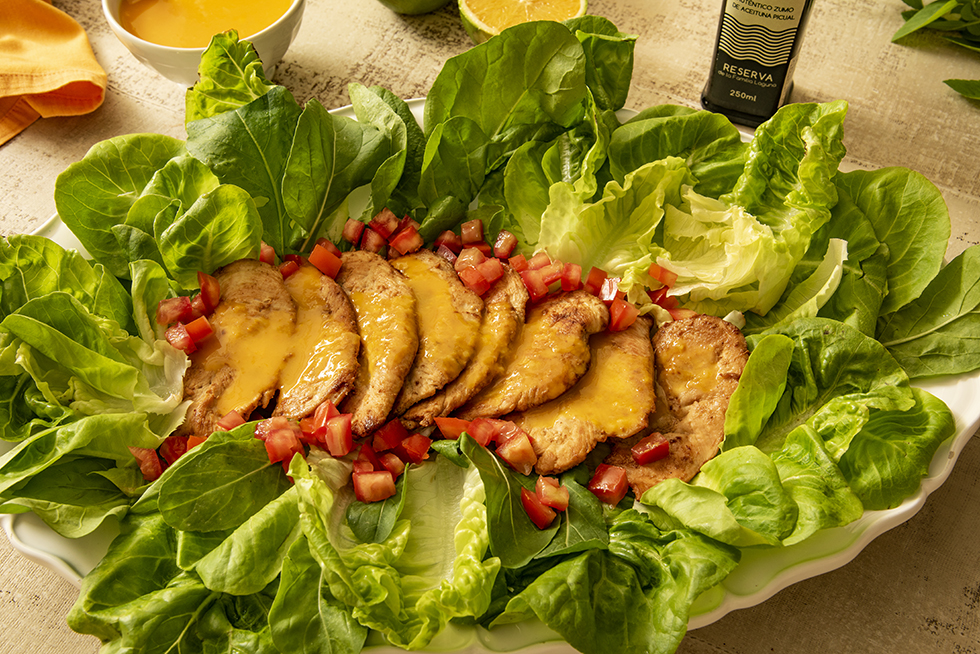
681	314
325	261
482	430
662	275
392	464
504	245
536	287
172	448
177	336
337	437
174	309
542	516
267	254
414	448
149	462
287	268
661	298
446	253
389	436
373	486
384	223
371	241
199	329
551	272
406	240
367	459
519	453
469	256
452	428
451	240
474	280
282	438
622	314
230	420
193	441
518	262
210	291
471	232
610	290
609	484
571	277
652	448
593	283
539	260
551	493
492	269
352	231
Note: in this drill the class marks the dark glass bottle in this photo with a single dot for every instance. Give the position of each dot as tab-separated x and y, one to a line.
755	54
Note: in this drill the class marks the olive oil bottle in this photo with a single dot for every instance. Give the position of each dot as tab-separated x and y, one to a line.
755	54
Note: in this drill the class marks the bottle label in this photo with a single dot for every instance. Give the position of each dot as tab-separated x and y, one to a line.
757	46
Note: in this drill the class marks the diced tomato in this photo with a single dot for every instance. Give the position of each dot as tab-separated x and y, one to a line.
297	258
282	438
661	298
324	412
197	306
519	453
352	231
552	272
652	448
482	430
174	309
536	287
230	420
392	464
504	245
571	277
407	221
325	261
518	263
622	314
371	241
542	516
210	291
177	336
451	427
149	462
504	430
551	493
338	438
451	240
390	436
443	251
328	245
609	484
469	256
193	441
384	223
681	314
414	448
610	290
539	260
474	279
367	459
406	240
492	269
199	329
483	247
593	283
662	275
287	268
471	232
172	448
373	486
267	254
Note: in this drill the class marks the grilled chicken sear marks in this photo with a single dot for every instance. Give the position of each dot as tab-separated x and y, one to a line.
503	320
612	400
323	364
449	322
552	353
386	319
238	368
699	362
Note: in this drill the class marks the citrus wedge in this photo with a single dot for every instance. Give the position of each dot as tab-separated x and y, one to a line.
485	18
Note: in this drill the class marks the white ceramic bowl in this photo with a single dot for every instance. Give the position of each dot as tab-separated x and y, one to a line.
180	64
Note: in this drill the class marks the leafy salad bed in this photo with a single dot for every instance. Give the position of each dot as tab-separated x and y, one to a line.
839	278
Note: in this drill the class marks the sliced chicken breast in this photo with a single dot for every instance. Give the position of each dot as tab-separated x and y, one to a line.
449	322
699	361
387	321
238	368
323	363
552	353
612	400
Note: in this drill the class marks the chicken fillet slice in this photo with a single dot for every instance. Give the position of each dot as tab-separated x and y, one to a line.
552	353
238	368
388	325
612	400
699	361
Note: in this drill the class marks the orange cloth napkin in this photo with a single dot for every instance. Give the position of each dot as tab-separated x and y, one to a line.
47	67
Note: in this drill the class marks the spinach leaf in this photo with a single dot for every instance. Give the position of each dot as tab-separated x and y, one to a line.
938	333
231	77
609	59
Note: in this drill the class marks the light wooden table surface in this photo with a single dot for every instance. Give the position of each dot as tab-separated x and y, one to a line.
914	589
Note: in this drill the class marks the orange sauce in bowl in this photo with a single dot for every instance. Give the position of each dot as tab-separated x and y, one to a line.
192	23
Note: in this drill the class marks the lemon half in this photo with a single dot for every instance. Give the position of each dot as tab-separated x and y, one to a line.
485	18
